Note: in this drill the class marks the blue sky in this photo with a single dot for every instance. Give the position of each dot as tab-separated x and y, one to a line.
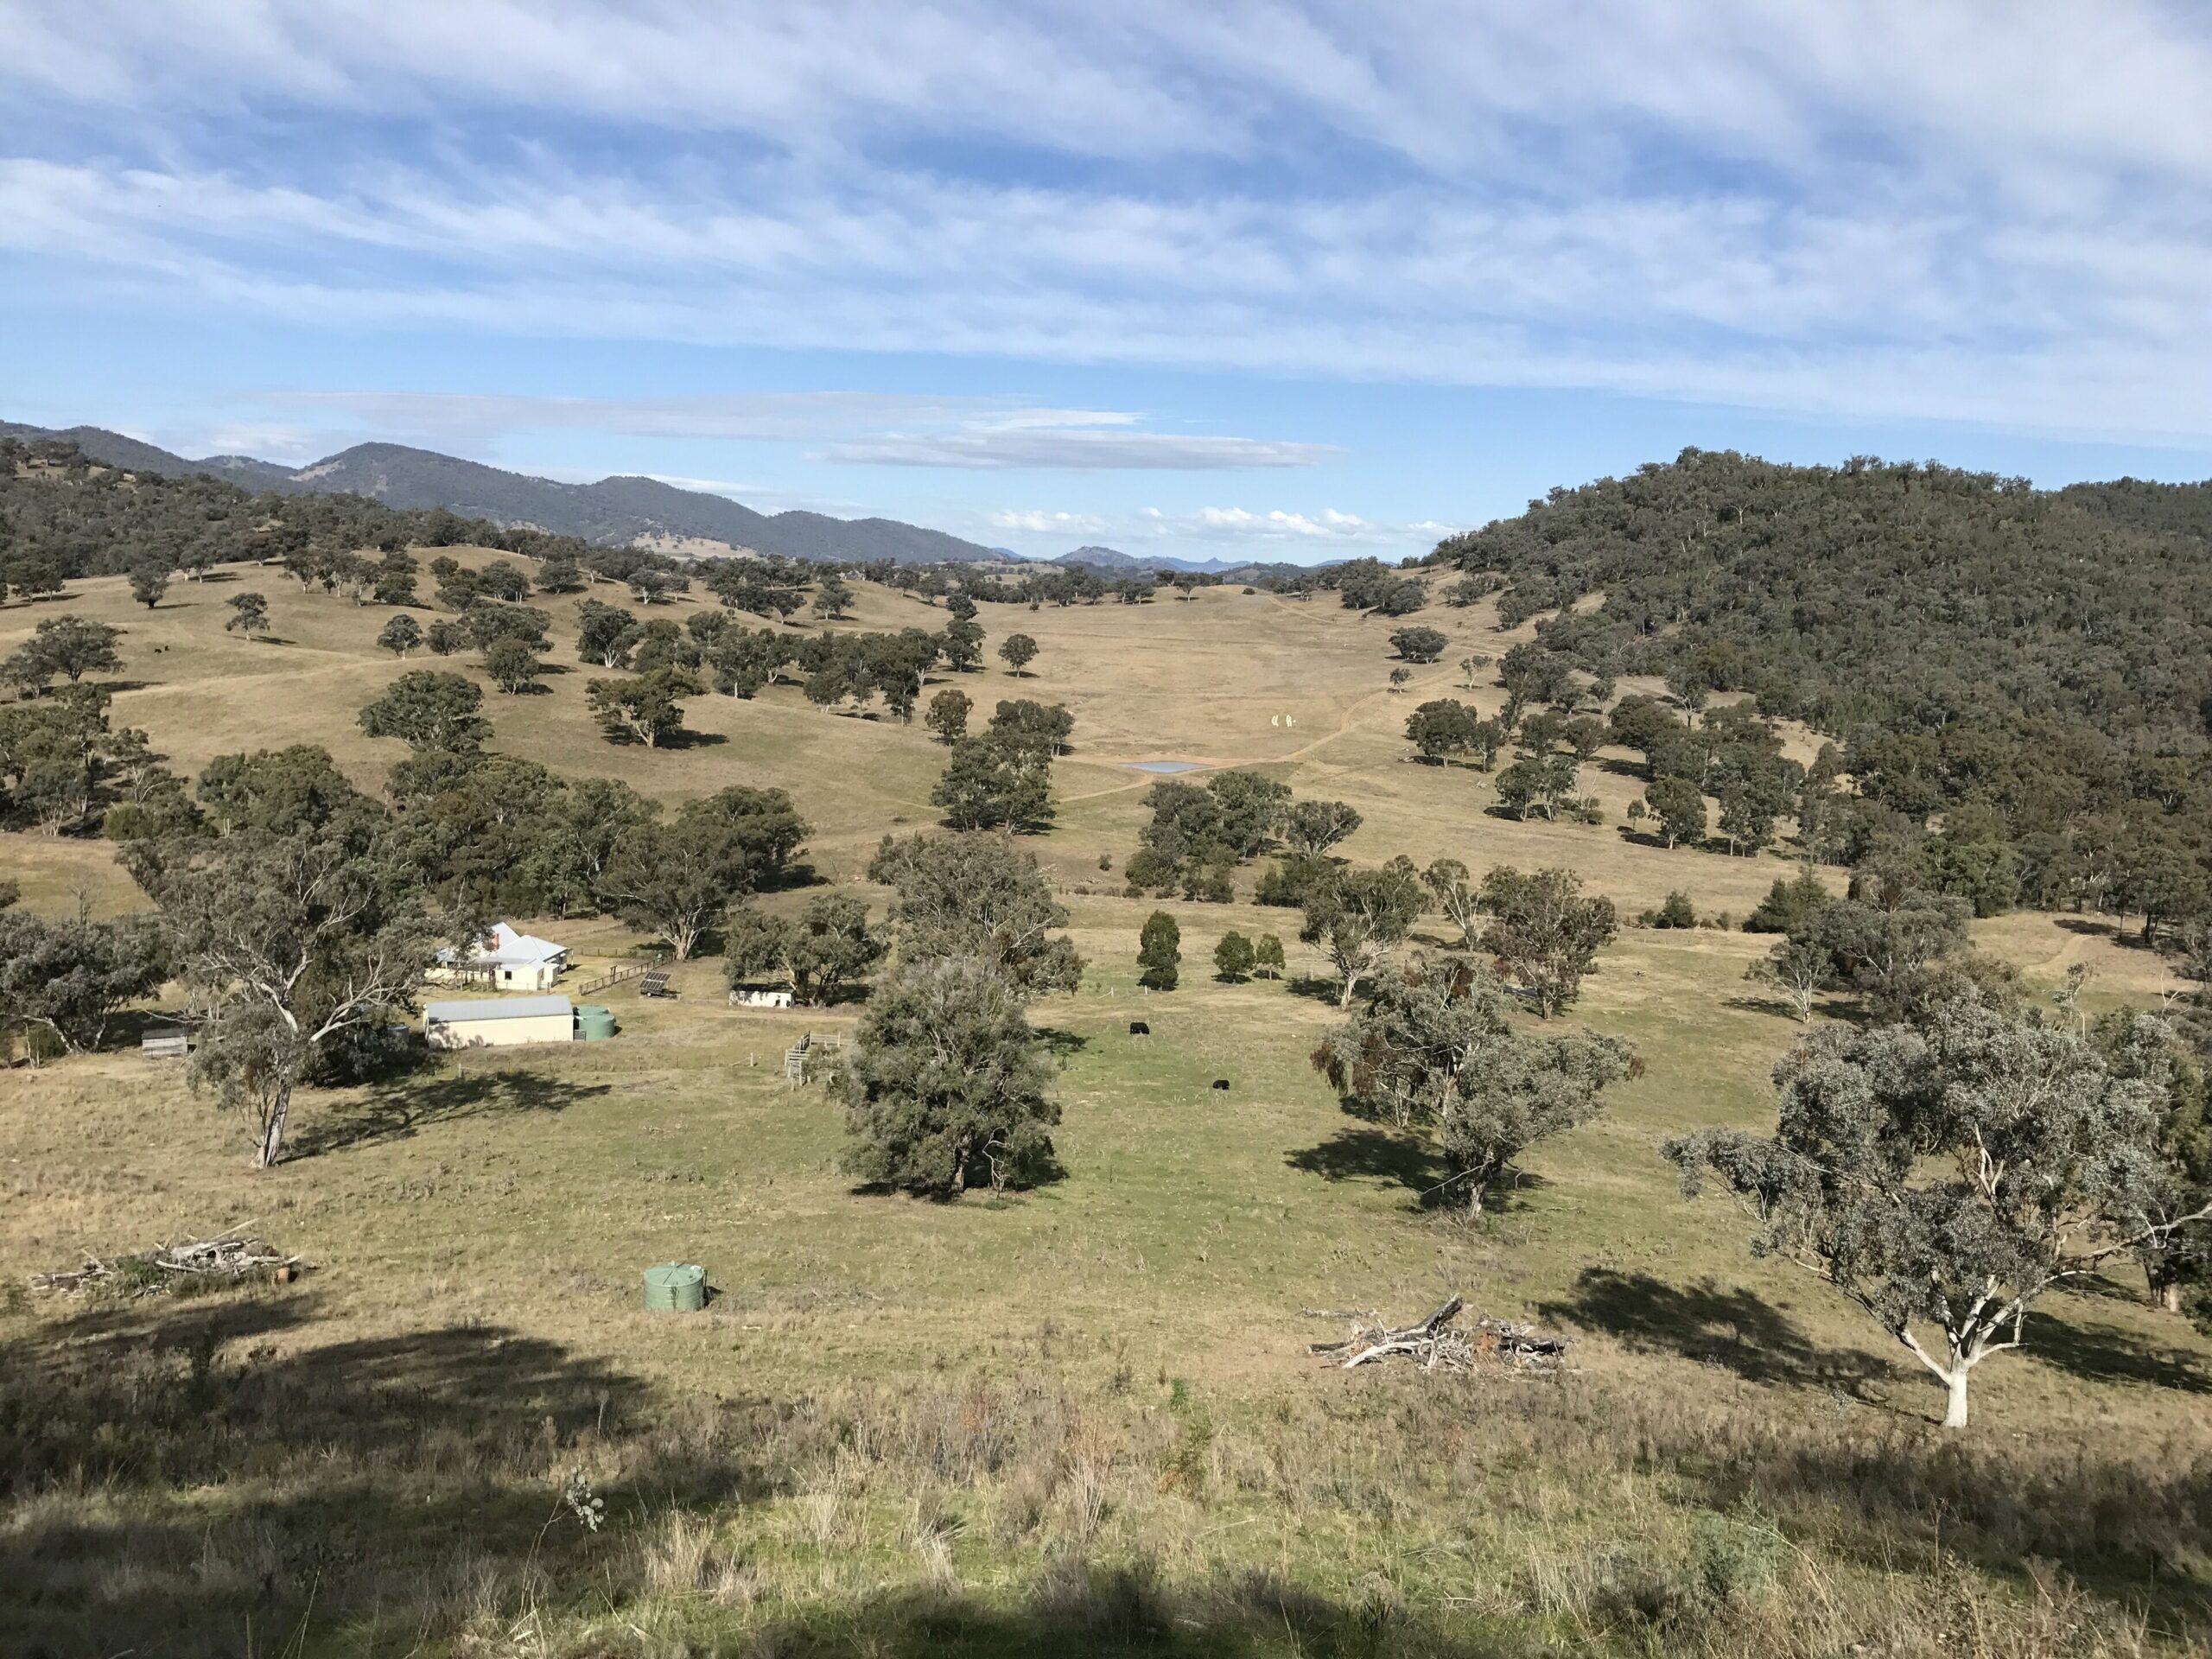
1243	279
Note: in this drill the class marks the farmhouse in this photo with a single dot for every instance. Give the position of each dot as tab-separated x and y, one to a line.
499	1022
504	959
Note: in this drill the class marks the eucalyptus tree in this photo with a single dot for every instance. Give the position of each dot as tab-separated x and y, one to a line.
1434	1048
1545	932
401	636
1360	917
945	1083
67	976
948	714
249	614
285	944
428	709
1452	893
1945	1177
977	894
1314	827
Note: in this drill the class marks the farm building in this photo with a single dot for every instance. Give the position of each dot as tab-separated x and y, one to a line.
505	960
759	997
499	1022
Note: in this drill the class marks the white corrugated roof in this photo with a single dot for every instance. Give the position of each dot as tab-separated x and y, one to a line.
508	945
525	947
502	1007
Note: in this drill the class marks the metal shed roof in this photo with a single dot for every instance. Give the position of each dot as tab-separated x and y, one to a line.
503	943
508	1008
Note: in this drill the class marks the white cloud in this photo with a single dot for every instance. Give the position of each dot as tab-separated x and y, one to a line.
1327	525
1962	209
1079	450
261	441
1049	523
886	429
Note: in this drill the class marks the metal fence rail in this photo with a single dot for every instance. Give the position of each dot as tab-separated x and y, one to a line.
614	975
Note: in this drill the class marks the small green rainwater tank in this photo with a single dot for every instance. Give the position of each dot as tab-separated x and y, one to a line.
594	1023
676	1288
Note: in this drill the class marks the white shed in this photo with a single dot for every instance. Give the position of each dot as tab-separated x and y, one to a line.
759	997
499	1022
504	959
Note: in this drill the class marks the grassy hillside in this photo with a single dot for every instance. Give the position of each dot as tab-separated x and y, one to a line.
1081	1419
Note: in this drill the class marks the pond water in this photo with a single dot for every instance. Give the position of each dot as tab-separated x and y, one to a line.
1167	766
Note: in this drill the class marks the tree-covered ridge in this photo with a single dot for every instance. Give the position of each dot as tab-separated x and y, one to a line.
64	516
1916	597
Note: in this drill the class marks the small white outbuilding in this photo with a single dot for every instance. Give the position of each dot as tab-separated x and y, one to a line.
759	997
499	1022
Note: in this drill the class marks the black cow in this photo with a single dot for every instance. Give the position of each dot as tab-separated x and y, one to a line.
1221	1083
1138	1028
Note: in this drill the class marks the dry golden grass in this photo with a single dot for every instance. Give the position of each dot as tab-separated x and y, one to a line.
815	1447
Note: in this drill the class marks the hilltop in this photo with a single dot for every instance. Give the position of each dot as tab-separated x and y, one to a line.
1922	598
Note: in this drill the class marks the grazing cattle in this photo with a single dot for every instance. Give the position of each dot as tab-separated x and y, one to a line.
1221	1083
1138	1028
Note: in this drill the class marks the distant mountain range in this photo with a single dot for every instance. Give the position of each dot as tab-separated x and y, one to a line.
1112	561
615	511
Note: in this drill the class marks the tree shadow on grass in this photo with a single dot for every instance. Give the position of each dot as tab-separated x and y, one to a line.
1062	1043
397	1110
2120	1522
2095	928
688	739
206	1381
1407	1160
1372	1154
1734	1328
2098	1352
1315	989
1087	1611
355	1476
1845	1009
793	877
1773	1005
1050	1173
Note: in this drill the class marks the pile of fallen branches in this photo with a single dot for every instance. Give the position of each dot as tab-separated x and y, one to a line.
232	1256
1438	1344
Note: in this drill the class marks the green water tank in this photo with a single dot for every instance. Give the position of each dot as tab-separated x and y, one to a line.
676	1288
593	1023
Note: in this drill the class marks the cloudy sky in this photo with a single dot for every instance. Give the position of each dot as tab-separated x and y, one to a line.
1297	281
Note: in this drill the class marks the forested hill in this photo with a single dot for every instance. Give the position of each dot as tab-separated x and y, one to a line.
1911	597
611	513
